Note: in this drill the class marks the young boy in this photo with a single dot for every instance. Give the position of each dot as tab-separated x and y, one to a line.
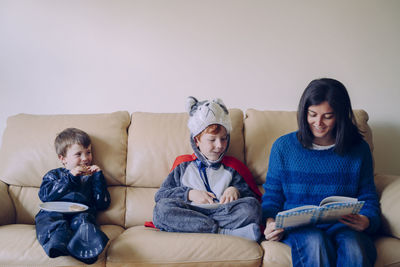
204	192
74	234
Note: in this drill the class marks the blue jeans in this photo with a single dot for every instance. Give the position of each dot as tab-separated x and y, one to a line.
175	215
342	247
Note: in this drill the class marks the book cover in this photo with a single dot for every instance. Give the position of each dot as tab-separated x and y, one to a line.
330	209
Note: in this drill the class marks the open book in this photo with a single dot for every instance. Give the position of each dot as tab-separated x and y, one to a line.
330	209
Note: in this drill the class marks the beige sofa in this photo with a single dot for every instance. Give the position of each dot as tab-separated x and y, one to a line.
136	152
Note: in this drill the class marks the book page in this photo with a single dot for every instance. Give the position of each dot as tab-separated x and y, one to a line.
288	219
334	211
301	208
335	199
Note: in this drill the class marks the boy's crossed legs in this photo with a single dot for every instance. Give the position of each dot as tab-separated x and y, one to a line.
239	218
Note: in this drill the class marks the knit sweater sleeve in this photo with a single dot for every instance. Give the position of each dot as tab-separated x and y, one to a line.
367	190
273	198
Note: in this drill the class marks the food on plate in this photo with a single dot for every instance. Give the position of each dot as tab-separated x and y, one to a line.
76	208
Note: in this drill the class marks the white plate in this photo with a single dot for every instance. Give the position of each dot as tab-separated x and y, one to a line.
206	206
63	207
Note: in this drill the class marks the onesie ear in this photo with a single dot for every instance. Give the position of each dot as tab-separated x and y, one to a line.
190	103
222	105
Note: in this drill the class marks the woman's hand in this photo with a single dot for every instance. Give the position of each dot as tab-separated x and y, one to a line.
230	194
356	222
272	234
201	197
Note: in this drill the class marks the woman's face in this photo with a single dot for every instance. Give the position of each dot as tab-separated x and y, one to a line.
321	120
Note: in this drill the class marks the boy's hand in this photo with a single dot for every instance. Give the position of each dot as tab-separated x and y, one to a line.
272	234
84	170
93	168
78	170
230	194
201	197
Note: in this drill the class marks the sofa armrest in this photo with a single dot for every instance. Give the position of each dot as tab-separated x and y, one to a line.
7	210
388	188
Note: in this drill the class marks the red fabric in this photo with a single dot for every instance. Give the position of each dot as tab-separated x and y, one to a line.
181	159
244	172
150	224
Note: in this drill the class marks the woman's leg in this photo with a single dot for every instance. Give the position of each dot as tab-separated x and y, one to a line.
354	249
310	247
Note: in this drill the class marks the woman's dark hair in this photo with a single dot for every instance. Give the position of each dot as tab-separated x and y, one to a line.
345	132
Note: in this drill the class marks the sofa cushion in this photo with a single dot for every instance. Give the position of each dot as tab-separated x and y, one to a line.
139	205
276	254
156	139
28	141
387	249
19	247
262	128
140	246
388	187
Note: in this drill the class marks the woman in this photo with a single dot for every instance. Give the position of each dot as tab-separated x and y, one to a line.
327	156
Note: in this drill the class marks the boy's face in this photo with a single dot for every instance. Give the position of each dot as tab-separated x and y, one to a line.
212	145
77	155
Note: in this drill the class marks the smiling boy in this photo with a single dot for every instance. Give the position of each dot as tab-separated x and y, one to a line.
205	192
67	233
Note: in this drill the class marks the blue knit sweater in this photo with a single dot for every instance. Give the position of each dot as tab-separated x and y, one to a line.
298	176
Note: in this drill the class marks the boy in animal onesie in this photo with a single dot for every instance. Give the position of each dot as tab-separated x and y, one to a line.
70	233
205	192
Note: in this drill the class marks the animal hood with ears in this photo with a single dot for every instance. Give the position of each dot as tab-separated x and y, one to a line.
205	113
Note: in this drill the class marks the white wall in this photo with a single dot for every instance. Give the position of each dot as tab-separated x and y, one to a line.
90	56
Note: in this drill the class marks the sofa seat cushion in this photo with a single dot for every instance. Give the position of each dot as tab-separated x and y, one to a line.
276	254
140	246
388	251
388	187
19	247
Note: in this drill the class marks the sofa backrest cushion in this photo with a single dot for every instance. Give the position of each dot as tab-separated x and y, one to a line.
262	128
28	153
154	141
